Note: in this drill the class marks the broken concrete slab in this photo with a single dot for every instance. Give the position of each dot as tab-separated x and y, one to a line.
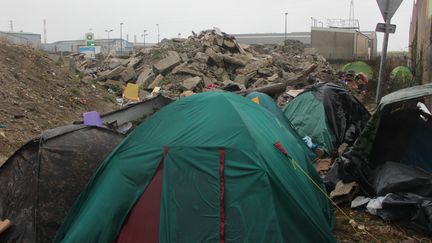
156	82
185	70
111	74
241	79
134	62
273	78
256	65
201	57
184	57
214	57
232	60
168	63
191	83
113	63
145	76
128	74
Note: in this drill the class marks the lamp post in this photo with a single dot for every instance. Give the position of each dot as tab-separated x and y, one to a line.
286	17
144	35
158	33
108	32
121	38
322	24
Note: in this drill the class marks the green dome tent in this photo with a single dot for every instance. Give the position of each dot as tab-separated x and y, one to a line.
359	67
328	114
212	167
400	78
268	103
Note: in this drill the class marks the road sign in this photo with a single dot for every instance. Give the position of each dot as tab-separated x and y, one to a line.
381	27
388	7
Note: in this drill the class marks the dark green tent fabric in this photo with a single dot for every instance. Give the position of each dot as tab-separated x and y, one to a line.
266	198
307	114
268	103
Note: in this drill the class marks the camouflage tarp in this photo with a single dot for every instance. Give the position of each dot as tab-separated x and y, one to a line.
41	181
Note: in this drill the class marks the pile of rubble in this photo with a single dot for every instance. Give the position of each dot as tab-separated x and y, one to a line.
209	60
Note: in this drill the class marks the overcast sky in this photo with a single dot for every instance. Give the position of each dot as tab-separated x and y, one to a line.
68	19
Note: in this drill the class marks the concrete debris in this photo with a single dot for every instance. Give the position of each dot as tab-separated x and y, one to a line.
128	74
344	193
145	76
191	83
211	58
168	63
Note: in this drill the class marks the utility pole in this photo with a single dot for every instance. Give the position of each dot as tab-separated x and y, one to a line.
121	38
388	9
286	23
158	33
109	43
144	35
45	31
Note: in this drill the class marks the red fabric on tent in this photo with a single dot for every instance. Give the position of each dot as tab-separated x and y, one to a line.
142	225
222	196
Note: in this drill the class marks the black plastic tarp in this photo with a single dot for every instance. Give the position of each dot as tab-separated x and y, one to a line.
393	156
41	181
345	115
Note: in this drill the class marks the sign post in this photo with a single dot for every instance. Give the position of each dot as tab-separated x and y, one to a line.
388	9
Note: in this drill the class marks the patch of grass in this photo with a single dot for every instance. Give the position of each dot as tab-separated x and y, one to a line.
109	98
164	82
76	92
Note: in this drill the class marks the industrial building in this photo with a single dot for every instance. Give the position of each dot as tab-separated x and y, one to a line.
273	38
72	46
344	44
22	38
332	43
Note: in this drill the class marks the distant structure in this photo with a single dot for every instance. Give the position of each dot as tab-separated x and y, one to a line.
351	15
22	38
273	38
11	26
344	43
73	46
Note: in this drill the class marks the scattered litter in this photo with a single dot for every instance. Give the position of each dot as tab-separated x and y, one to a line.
131	92
92	118
374	205
359	201
344	192
309	143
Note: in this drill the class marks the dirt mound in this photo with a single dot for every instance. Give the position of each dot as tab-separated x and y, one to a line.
39	94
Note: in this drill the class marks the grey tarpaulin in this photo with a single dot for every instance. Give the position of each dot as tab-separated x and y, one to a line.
41	181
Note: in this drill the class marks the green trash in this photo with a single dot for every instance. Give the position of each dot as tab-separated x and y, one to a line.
359	67
400	78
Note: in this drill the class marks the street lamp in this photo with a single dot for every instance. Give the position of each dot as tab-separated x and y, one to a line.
158	33
121	38
108	32
144	35
322	24
286	17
